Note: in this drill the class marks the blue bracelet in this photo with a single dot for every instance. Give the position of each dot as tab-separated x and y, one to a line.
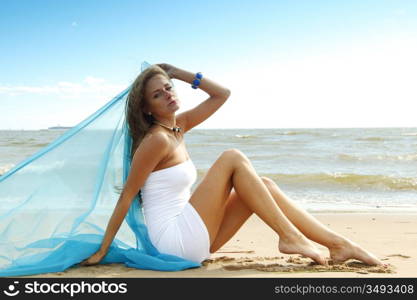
197	80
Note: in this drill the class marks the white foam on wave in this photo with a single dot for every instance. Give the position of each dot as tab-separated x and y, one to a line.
38	169
6	167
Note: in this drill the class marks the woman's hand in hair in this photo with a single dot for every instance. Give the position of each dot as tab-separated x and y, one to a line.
169	69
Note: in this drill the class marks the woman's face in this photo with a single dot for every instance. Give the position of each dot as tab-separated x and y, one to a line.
160	96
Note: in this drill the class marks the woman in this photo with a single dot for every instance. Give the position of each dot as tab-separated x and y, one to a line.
194	225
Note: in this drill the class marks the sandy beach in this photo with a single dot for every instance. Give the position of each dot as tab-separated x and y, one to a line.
252	252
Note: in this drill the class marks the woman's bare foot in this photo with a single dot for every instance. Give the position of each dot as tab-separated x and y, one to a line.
300	245
346	249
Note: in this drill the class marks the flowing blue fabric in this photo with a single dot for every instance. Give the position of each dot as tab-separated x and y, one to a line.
56	204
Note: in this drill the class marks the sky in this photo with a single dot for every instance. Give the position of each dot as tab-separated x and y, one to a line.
288	64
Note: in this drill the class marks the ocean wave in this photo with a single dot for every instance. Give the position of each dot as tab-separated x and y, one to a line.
371	139
349	180
337	180
24	143
348	157
245	136
42	168
296	132
409	134
263	157
404	157
40	145
5	168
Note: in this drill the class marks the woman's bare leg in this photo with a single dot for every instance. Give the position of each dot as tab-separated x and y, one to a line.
233	169
340	248
235	216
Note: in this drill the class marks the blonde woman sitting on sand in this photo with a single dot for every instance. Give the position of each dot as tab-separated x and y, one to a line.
194	225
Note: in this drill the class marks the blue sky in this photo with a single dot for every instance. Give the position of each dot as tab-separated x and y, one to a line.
288	63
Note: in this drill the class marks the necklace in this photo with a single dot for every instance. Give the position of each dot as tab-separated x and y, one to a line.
174	129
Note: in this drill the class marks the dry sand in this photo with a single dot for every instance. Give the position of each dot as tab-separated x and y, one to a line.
253	252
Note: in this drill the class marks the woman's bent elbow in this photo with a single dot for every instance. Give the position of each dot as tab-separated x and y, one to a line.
227	93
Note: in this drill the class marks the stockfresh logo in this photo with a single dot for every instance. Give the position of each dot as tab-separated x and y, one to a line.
12	290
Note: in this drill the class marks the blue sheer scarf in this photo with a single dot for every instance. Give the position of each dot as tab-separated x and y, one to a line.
56	204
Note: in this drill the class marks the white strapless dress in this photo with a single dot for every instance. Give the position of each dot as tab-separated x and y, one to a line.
174	226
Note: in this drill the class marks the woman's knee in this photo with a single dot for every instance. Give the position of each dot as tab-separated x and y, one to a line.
268	182
233	155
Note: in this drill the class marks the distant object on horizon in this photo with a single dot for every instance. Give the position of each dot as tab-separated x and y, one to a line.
59	127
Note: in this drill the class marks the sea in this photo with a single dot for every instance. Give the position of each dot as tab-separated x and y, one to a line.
340	170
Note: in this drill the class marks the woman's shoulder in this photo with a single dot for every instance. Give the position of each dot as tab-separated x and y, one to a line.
156	136
154	144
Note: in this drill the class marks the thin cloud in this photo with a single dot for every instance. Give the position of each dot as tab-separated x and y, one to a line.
400	12
90	86
74	24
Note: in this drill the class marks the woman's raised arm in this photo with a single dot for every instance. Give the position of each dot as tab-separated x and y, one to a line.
218	95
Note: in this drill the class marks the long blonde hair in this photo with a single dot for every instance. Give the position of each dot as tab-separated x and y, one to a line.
138	120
